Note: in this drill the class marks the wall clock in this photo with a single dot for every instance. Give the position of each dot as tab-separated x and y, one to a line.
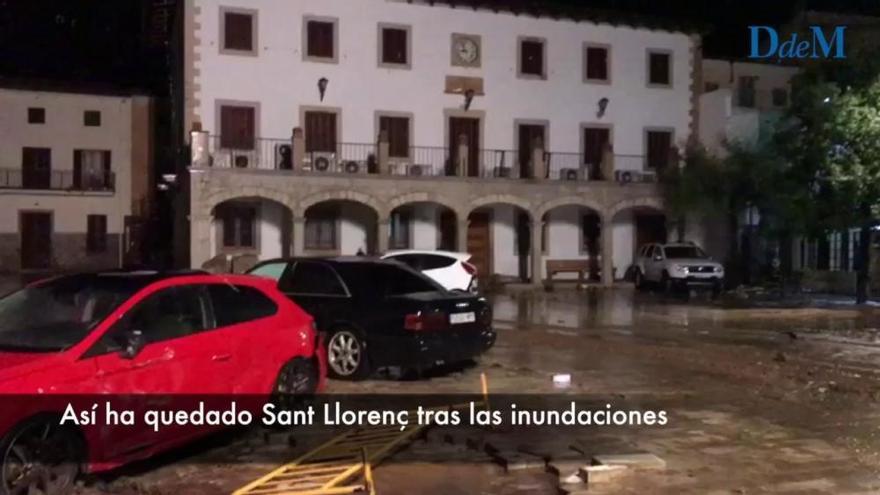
465	50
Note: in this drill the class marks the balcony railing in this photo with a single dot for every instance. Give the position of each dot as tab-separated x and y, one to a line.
56	180
421	161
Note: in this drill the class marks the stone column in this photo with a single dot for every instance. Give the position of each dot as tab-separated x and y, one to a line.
298	142
298	241
537	252
606	168
384	153
539	165
200	240
461	235
463	155
607	239
199	147
383	232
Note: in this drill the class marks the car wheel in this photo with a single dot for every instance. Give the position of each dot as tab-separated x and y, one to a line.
347	355
665	283
297	381
640	280
40	457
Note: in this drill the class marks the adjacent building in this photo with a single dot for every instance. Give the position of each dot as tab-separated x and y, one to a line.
341	126
75	176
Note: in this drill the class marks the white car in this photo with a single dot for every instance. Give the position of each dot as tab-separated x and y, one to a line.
677	265
448	268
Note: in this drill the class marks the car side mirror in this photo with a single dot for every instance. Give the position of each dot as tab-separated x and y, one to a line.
133	344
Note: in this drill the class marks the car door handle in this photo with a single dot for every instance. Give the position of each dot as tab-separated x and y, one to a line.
221	357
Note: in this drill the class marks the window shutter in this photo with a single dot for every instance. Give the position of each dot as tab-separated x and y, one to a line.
597	63
659	68
238	32
77	169
532	53
319	36
394	46
659	144
320	131
237	127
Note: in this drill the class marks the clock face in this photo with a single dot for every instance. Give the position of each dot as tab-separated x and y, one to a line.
467	50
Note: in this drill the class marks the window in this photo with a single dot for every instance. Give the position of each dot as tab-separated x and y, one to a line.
91	170
36	115
238	223
168	314
92	118
746	91
659	66
394	46
659	147
397	131
434	261
238	31
320	40
597	63
400	232
312	278
237	127
96	234
835	255
36	168
320	228
270	270
780	97
531	57
239	304
320	131
399	281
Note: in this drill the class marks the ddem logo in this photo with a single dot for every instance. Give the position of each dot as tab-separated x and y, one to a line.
814	47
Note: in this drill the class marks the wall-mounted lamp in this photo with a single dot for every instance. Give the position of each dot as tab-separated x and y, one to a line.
468	98
322	86
603	104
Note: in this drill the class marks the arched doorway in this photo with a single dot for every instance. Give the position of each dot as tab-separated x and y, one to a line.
499	239
251	225
340	227
633	227
423	225
573	232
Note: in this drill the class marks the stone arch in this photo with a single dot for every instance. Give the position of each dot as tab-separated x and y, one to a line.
260	192
569	200
424	197
500	199
645	201
341	195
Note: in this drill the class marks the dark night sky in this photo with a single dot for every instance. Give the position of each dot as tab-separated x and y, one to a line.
107	40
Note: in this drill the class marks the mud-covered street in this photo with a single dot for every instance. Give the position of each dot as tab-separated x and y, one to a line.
760	400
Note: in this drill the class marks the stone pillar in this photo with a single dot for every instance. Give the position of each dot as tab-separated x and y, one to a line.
298	241
298	143
384	153
539	165
383	234
199	147
461	169
461	235
537	252
606	168
607	239
200	240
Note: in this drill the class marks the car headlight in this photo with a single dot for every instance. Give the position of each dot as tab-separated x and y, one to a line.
719	269
679	268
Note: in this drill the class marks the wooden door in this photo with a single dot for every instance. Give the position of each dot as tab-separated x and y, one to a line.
36	240
320	131
36	168
479	243
527	134
470	128
595	139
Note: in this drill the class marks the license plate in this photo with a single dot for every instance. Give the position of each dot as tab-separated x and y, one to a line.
456	318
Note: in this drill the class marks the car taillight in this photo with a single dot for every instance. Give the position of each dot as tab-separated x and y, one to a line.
419	322
471	269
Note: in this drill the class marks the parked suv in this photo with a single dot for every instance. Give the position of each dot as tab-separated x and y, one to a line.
677	265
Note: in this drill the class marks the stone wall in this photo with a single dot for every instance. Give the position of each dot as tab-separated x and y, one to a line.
68	253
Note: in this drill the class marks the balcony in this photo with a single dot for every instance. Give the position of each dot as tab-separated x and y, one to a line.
55	180
287	155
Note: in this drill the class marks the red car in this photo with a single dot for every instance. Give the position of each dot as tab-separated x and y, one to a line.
142	335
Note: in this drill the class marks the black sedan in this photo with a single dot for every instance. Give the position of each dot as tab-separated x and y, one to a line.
376	313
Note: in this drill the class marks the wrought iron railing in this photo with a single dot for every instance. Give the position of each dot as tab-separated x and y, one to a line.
499	164
257	153
352	158
56	180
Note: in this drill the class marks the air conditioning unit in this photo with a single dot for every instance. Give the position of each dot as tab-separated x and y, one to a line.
570	174
283	157
625	176
241	161
323	162
351	167
417	170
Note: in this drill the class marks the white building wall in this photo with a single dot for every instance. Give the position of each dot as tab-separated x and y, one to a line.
726	74
623	237
503	235
424	227
63	132
279	80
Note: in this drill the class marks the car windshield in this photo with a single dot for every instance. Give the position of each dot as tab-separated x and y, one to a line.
677	252
56	314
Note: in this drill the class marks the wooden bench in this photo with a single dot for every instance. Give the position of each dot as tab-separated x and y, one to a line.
581	267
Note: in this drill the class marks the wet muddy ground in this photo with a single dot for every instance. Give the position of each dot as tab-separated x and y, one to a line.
760	400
